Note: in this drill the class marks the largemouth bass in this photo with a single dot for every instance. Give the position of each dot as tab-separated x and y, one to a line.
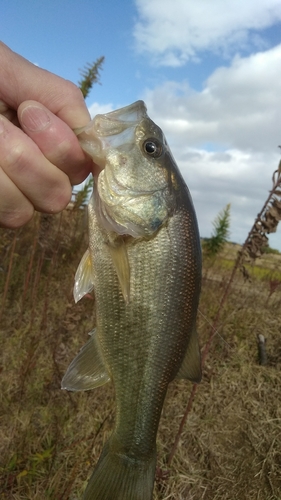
144	264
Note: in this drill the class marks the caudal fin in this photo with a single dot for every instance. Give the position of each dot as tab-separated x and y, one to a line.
118	477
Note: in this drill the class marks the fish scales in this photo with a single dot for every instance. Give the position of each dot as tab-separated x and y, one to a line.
132	335
146	336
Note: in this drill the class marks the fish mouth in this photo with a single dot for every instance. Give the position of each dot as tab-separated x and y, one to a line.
110	130
117	121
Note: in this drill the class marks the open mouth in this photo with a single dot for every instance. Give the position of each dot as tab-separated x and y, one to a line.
110	130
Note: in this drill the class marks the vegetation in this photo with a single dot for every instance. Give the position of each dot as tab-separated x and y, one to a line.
271	250
50	439
212	246
90	75
228	446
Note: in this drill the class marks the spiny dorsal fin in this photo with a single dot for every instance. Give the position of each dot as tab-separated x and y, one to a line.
119	255
84	282
87	370
191	365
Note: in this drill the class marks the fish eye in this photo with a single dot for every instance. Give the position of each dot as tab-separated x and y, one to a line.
152	147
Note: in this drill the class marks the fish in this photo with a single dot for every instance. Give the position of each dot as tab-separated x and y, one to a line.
143	265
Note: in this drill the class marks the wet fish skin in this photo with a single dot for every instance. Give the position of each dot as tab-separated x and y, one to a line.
144	263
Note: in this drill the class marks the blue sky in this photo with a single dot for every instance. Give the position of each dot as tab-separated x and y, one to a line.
208	71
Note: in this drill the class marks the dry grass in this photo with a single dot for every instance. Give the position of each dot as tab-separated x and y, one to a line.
50	439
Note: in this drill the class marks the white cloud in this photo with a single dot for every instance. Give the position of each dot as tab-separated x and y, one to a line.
100	109
173	32
239	106
216	179
225	137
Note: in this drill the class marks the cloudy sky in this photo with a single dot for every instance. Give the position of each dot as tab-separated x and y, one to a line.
209	72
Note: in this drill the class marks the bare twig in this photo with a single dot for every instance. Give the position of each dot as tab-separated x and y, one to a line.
8	273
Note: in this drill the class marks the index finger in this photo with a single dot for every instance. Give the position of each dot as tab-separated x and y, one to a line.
60	96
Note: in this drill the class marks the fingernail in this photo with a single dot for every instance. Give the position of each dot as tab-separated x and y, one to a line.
34	118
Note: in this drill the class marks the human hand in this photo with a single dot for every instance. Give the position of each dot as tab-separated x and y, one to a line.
40	156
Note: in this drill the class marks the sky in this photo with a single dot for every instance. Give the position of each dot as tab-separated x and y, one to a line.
208	71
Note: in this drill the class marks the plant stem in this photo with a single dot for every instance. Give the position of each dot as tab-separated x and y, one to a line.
183	420
8	274
215	323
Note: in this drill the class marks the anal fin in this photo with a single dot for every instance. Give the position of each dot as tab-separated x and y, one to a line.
87	370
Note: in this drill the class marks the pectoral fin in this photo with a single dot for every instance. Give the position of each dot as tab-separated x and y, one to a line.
120	260
84	282
191	365
87	370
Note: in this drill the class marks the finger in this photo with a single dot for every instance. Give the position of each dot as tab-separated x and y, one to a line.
43	184
61	96
15	209
55	139
11	114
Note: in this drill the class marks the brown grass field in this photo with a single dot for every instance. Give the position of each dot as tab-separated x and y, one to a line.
50	440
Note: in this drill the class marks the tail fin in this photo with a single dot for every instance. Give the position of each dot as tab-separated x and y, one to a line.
118	477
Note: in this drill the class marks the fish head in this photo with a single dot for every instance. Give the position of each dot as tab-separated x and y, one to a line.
137	188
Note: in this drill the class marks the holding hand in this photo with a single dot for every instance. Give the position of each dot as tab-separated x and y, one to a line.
40	156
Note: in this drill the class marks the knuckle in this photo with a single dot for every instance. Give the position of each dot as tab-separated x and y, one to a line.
70	106
15	219
63	149
71	94
16	157
74	91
